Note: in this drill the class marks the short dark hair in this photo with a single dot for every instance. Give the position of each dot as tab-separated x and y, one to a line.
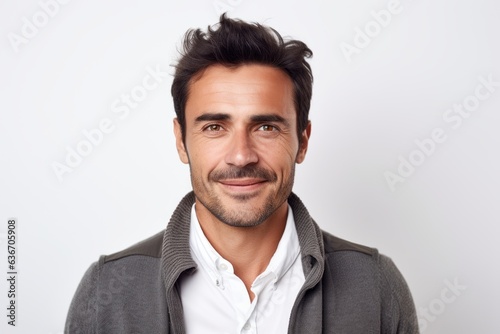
234	42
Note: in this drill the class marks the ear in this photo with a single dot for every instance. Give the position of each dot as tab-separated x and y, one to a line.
304	142
179	143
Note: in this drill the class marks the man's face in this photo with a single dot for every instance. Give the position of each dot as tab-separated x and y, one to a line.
241	142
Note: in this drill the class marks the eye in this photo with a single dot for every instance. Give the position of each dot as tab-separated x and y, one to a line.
213	128
268	128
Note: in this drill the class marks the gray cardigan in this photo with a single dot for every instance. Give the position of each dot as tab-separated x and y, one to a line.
348	288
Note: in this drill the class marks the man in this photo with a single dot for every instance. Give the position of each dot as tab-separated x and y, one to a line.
241	253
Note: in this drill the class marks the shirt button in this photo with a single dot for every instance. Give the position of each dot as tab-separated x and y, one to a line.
247	327
223	266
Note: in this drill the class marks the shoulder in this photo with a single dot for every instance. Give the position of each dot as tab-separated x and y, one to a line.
349	260
137	266
127	264
150	247
358	262
356	272
343	252
334	244
120	284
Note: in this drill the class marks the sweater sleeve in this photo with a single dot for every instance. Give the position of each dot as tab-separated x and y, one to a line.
398	311
82	314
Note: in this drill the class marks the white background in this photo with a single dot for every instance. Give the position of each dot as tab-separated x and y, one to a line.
440	224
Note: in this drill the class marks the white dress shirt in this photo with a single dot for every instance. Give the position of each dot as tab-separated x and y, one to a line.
215	300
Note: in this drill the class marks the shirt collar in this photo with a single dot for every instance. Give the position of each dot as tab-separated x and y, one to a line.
210	260
202	250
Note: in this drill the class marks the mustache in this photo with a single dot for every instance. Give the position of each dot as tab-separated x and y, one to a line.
249	171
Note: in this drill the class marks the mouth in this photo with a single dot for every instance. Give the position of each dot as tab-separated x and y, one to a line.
246	184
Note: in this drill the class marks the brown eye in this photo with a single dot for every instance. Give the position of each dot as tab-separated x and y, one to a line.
213	127
267	127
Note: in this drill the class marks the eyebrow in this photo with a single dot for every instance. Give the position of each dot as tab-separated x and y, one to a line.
212	117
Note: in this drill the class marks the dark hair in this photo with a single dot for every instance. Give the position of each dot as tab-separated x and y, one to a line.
233	43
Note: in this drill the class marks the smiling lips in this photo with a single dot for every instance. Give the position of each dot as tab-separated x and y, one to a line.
243	184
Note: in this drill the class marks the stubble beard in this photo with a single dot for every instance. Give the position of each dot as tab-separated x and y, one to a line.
234	215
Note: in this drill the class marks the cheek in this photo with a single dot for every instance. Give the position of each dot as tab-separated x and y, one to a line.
204	157
282	151
280	158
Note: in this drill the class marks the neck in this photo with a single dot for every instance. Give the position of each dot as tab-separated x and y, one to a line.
248	249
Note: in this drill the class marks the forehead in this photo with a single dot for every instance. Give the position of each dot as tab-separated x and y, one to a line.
245	89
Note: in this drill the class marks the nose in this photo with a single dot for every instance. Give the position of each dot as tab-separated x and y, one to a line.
241	150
